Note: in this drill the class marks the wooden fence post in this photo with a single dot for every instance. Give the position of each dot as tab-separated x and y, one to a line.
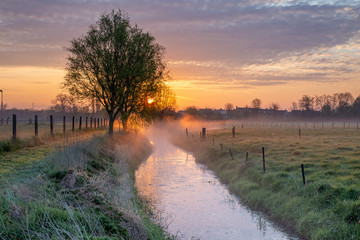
80	123
36	126
187	133
64	124
232	157
98	121
91	122
299	133
247	156
203	133
86	122
263	155
303	173
233	132
221	146
14	126
73	124
51	124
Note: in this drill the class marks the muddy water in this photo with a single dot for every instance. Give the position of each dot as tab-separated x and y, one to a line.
193	204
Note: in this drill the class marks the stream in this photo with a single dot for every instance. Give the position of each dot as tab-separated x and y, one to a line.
192	203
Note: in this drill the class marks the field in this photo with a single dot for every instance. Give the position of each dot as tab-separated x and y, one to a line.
326	207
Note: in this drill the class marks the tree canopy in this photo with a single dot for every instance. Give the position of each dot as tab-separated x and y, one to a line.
116	63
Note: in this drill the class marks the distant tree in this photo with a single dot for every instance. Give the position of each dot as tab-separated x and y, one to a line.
323	104
356	106
274	106
229	106
294	106
117	64
160	106
62	103
306	103
193	111
344	101
256	103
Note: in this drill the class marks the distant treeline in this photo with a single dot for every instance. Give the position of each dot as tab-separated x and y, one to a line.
325	107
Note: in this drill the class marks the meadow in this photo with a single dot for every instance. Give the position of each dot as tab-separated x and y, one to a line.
326	207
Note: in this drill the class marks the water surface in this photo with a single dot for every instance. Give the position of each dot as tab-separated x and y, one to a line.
192	201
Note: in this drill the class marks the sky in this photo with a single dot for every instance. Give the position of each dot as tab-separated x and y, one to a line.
218	51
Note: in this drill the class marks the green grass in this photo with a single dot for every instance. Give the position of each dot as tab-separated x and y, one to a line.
82	190
327	207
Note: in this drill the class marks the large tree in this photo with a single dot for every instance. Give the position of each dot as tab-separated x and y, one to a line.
116	63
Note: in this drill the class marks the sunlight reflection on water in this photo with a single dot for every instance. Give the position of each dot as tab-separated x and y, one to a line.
192	201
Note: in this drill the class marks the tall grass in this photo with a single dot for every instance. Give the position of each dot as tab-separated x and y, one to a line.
83	191
327	207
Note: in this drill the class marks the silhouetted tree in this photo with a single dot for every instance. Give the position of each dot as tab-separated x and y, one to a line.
256	103
116	63
344	101
274	106
356	106
306	103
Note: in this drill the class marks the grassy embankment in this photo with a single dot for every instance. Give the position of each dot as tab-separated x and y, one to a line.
327	207
82	190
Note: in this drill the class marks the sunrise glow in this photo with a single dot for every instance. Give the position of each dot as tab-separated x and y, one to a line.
217	52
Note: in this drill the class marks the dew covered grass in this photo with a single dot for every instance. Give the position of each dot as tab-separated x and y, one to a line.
326	207
79	188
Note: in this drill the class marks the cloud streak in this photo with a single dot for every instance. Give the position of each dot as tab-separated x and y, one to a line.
244	44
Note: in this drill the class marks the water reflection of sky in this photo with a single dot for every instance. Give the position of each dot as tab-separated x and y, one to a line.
192	201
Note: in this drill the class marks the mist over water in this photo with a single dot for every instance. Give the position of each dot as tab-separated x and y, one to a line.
191	200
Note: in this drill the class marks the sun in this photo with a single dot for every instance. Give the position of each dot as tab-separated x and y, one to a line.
150	100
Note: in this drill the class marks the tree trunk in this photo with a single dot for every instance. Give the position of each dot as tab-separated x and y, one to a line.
111	125
125	124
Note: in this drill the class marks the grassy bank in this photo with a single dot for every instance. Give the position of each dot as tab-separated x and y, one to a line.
80	191
326	207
